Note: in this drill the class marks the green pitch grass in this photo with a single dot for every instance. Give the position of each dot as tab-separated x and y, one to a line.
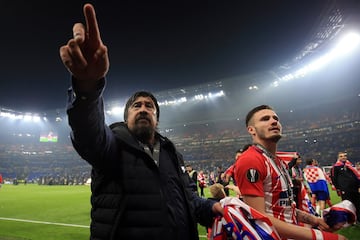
38	212
33	212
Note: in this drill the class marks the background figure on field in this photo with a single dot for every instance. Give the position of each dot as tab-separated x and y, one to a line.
220	178
328	179
217	193
357	166
316	180
297	179
212	178
346	180
202	182
229	172
194	176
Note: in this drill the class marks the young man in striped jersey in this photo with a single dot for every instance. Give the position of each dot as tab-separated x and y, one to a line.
265	184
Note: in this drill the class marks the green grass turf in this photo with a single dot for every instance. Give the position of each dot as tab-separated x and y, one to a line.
50	206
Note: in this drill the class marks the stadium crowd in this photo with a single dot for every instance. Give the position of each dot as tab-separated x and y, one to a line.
314	133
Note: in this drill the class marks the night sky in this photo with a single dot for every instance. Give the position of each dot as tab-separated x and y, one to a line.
153	45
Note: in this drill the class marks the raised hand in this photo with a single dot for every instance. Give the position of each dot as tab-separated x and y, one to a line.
85	55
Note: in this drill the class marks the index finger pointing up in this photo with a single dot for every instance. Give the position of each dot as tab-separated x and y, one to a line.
92	27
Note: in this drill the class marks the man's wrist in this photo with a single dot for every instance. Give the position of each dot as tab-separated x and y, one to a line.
317	234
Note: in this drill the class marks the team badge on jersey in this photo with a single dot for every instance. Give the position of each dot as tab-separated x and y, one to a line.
252	175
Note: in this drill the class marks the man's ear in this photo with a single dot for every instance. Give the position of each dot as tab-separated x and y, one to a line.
251	130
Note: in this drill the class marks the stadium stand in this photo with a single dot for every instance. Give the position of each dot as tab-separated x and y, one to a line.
314	132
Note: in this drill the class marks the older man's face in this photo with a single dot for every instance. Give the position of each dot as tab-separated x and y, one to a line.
142	118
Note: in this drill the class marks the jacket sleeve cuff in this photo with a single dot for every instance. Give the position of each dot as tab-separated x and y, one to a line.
76	95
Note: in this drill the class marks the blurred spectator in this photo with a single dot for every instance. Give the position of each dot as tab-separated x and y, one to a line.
220	178
212	178
202	182
346	180
297	179
229	172
217	193
318	185
357	166
194	176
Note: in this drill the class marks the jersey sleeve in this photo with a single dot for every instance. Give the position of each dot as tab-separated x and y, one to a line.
250	172
230	170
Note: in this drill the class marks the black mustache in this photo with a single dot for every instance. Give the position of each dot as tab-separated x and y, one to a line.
143	116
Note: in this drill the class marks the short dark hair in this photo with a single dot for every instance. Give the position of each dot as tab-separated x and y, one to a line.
255	110
309	161
244	148
133	98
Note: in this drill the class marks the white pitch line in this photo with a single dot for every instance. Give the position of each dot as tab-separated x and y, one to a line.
41	222
54	223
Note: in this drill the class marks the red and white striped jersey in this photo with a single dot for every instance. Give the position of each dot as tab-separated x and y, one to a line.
257	174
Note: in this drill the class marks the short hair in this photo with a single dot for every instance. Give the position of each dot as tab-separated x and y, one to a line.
217	191
342	153
255	110
309	161
244	148
133	98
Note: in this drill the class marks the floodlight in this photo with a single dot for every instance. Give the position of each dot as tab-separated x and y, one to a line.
117	110
36	118
348	43
27	117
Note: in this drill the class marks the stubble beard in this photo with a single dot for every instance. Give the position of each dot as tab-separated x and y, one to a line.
275	138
